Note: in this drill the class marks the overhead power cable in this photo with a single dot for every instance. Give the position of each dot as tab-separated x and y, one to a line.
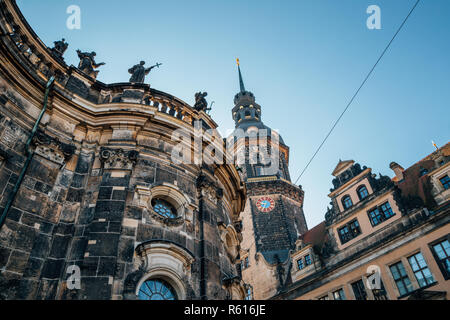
357	91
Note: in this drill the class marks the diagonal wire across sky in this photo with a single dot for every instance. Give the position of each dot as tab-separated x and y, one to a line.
357	91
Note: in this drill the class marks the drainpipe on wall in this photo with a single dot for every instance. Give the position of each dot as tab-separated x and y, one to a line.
28	152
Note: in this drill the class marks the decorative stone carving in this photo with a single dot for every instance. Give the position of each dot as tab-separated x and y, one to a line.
200	102
118	158
59	48
87	63
235	288
144	195
208	190
230	240
52	149
138	72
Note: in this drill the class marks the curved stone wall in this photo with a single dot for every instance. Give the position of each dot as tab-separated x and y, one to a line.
100	173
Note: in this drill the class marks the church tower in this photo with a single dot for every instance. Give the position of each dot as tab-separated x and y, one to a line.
273	217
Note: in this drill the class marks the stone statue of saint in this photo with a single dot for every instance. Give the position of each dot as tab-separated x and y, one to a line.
87	63
200	102
138	72
60	47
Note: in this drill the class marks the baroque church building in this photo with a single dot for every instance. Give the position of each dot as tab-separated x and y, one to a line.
93	205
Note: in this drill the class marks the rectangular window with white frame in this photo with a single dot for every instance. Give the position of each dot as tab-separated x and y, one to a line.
421	271
401	278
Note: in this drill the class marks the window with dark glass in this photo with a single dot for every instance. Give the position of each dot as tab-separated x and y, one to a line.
164	208
401	278
421	271
308	260
380	214
300	264
347	202
441	252
156	289
349	231
324	298
339	294
362	192
445	182
359	290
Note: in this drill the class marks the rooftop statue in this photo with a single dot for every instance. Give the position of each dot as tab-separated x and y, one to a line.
200	102
87	63
59	48
138	72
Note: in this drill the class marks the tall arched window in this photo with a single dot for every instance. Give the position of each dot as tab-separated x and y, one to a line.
157	289
362	192
347	202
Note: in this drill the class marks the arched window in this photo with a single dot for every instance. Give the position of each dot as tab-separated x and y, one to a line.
362	192
347	202
157	289
162	267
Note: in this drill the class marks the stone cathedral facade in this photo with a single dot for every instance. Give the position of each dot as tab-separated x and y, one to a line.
100	197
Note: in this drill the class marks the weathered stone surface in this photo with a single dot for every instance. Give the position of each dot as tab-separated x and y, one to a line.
52	269
33	268
126	249
4	256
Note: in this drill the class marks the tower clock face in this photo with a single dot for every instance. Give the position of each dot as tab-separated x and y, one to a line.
265	204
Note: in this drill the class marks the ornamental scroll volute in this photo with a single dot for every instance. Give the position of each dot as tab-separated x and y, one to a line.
118	159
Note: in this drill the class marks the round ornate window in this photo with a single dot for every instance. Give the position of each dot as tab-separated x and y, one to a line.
157	289
164	208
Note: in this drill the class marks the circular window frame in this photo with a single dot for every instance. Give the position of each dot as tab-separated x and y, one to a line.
172	196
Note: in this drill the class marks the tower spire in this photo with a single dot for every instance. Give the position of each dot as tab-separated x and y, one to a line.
241	82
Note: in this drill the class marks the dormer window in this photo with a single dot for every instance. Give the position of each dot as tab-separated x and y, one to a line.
300	264
423	171
380	214
349	231
362	192
308	260
347	202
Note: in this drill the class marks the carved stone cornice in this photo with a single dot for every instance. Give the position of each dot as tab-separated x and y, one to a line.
118	159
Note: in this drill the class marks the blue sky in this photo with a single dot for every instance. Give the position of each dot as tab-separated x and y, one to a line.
302	59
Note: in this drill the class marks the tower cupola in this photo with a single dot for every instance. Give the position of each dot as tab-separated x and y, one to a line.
245	108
